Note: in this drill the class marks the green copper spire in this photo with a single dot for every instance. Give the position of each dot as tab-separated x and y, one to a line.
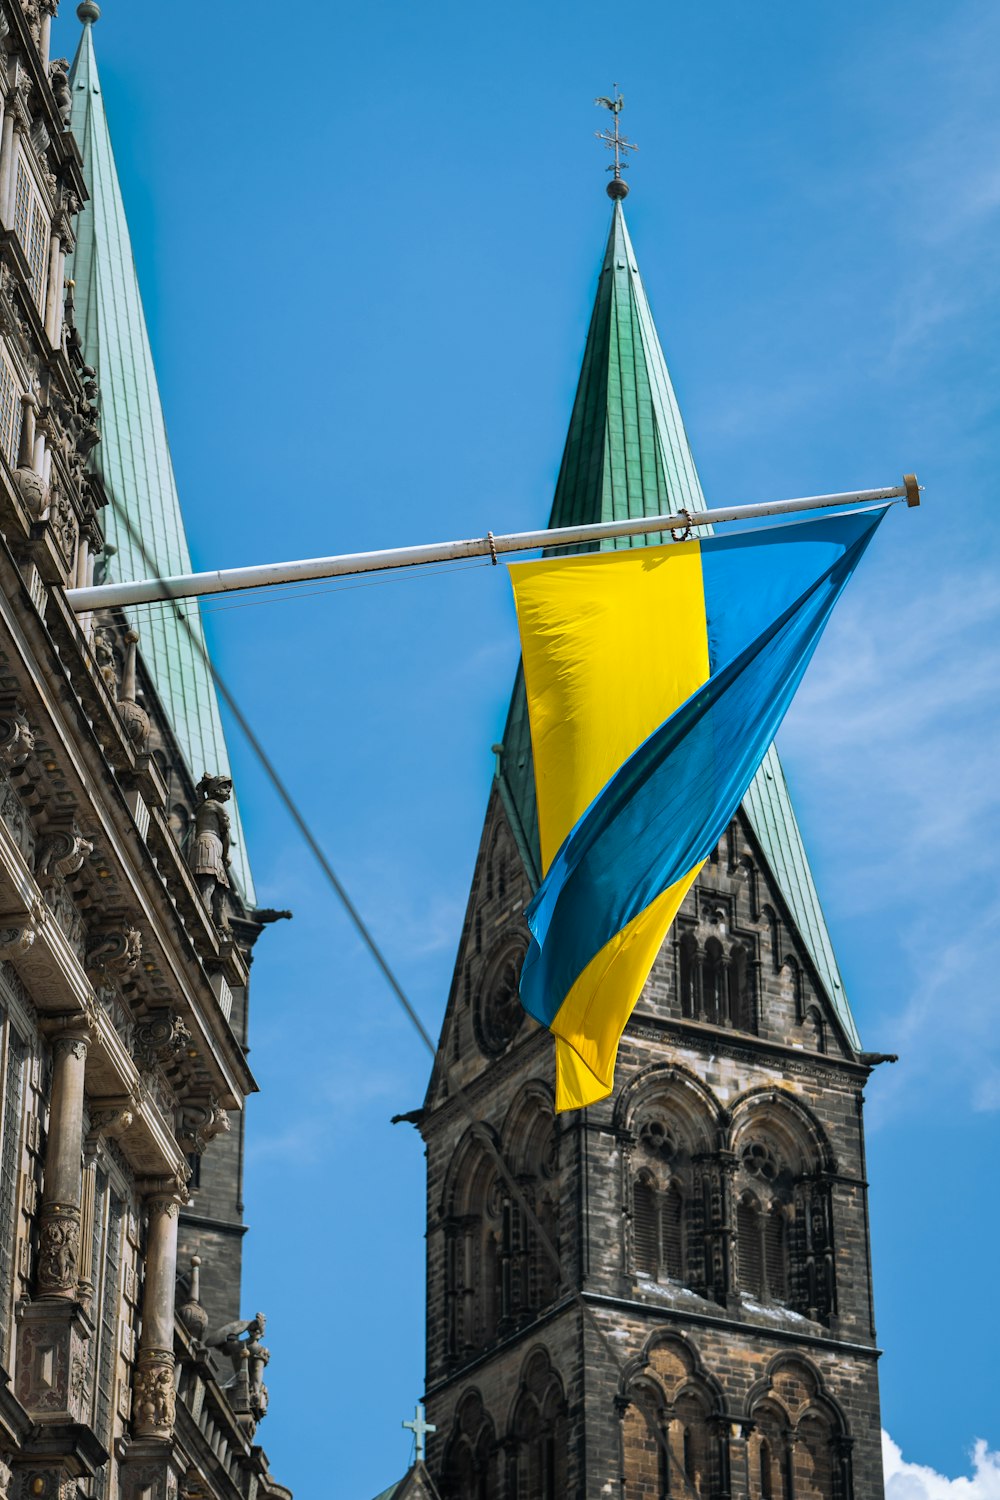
627	455
143	521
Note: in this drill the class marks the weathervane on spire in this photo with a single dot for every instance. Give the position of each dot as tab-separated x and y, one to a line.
616	142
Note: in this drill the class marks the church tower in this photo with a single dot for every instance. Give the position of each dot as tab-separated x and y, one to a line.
708	1331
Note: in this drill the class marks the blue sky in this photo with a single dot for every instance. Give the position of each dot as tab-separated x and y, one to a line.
368	244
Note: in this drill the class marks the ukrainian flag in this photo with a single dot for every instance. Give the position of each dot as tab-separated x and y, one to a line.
656	679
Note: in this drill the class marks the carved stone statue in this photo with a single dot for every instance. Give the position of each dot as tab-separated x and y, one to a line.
58	69
16	739
208	856
61	852
248	1358
105	658
133	715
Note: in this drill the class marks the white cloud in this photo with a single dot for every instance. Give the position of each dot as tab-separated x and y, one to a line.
906	1481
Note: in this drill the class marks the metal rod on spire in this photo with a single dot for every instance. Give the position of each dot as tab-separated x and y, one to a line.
616	142
266	575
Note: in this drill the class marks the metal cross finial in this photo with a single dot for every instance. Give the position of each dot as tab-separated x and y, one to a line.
420	1429
617	143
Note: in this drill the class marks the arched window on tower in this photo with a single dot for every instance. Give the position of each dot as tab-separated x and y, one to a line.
672	1441
713	983
474	1232
749	1247
769	1453
741	1000
761	1233
672	1233
471	1469
661	1191
645	1247
799	1447
784	1225
530	1143
766	1473
690	978
538	1434
776	1254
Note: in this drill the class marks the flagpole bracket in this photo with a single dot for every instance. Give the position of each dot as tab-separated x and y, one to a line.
678	535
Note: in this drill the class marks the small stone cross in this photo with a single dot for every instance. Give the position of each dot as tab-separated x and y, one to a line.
420	1428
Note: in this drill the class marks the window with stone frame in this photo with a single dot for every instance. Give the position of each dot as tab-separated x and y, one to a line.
716	978
107	1239
799	1447
10	412
31	225
663	1201
13	1060
673	1440
539	1434
471	1467
783	1214
499	1272
497	1012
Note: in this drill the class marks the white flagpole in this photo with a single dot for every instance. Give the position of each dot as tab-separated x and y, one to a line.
265	575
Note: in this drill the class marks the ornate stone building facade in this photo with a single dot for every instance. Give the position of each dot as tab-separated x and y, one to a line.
706	1327
125	935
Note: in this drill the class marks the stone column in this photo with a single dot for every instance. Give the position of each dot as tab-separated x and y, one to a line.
26	446
53	291
10	180
738	1458
6	158
153	1386
45	36
59	1226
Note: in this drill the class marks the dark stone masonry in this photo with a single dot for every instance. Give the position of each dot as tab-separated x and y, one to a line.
710	1220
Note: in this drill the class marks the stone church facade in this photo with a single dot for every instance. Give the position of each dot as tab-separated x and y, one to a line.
706	1329
127	1368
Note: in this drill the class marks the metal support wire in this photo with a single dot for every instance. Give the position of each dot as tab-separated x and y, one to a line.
456	1090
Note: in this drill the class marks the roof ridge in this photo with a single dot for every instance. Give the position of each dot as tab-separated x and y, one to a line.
143	520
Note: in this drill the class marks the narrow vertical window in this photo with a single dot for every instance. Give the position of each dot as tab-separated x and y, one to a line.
31	228
22	206
766	1484
713	983
750	1259
689	976
10	1151
774	1253
671	1233
38	244
644	1227
108	1346
9	414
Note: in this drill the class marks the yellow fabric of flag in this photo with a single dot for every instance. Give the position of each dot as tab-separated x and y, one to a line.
637	650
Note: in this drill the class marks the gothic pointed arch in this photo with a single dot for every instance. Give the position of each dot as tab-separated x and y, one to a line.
537	1432
472	1215
471	1466
530	1144
673	1127
673	1436
800	1445
693	1096
784	1204
497	1014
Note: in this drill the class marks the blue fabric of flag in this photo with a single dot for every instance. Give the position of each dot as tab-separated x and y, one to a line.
768	596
